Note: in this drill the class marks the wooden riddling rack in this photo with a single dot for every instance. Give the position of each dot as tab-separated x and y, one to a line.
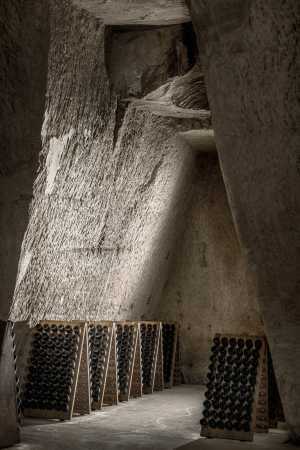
57	383
129	360
75	367
152	357
236	400
171	354
103	364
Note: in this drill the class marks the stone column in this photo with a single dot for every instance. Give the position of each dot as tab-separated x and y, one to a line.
23	49
250	51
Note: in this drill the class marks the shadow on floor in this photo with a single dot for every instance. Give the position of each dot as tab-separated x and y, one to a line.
165	420
274	440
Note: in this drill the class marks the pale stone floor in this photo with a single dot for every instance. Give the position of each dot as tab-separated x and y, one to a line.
165	420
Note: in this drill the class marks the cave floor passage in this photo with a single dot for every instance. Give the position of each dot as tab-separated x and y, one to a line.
164	420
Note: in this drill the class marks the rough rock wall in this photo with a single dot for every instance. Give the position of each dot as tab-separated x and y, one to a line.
23	68
119	276
151	197
108	189
137	12
251	50
208	290
140	59
79	122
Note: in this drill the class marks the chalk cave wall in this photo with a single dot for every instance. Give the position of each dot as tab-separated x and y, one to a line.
209	289
23	71
116	188
252	48
111	183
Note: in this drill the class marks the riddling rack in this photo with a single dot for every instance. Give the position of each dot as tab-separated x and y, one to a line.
152	359
103	364
170	351
128	360
57	382
74	367
236	382
111	385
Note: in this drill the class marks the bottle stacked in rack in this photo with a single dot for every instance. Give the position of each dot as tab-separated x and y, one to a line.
18	385
98	345
169	336
231	384
51	367
149	334
125	354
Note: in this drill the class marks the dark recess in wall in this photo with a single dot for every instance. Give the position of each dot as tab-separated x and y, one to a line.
190	42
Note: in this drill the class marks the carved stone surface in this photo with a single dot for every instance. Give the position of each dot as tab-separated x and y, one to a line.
9	431
250	52
107	190
136	12
23	48
209	289
130	71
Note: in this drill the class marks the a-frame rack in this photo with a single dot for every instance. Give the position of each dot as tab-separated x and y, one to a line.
150	340
235	383
57	381
75	367
170	352
128	360
103	364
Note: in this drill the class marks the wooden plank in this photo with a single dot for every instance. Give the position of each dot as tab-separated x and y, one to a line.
226	434
46	414
159	369
136	388
82	402
111	382
232	390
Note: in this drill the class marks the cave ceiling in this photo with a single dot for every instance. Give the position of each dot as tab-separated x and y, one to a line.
137	12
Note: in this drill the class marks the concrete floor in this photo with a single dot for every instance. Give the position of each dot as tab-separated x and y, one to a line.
165	420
